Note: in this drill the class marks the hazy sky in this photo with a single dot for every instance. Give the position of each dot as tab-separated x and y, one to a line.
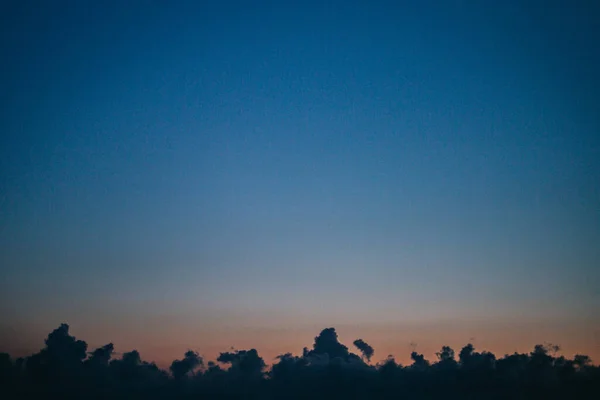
190	175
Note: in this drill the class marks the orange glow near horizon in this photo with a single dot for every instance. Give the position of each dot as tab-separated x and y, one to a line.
162	344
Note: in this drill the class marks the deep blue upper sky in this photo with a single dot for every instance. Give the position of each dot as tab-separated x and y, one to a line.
374	161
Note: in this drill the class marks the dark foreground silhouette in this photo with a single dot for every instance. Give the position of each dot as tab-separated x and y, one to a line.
64	369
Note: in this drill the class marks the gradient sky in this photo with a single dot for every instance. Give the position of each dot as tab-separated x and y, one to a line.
248	173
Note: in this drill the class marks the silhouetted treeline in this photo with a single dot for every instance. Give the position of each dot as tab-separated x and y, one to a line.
65	368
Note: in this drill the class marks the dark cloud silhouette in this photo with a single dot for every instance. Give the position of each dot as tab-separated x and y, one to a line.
470	359
582	361
101	356
64	369
446	358
246	362
180	368
327	344
364	348
419	361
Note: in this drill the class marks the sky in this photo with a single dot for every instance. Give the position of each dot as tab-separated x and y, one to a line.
213	174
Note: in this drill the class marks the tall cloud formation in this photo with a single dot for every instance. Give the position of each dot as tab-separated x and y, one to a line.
65	369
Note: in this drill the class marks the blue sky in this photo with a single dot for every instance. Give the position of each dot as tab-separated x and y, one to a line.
353	162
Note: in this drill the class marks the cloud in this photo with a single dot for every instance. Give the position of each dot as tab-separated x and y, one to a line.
364	348
64	369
